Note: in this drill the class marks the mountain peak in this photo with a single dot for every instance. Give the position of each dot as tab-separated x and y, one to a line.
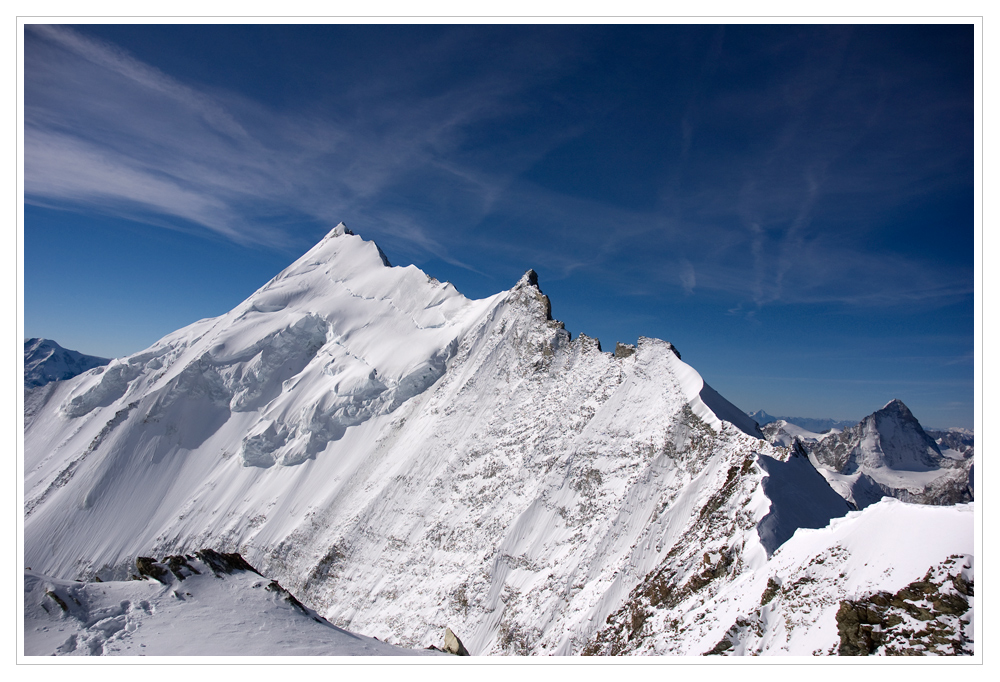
887	451
896	405
895	411
340	230
530	278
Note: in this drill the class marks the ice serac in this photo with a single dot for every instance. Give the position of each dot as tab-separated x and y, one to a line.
889	454
404	459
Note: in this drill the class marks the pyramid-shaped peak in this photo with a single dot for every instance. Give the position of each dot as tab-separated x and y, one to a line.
332	244
896	406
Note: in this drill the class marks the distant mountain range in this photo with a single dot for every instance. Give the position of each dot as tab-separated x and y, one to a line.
809	424
46	361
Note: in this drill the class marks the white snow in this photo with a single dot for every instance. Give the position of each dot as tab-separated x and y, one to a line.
203	615
404	459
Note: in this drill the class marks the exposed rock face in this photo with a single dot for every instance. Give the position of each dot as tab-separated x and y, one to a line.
453	645
179	566
925	617
46	361
713	555
624	350
150	568
888	453
223	563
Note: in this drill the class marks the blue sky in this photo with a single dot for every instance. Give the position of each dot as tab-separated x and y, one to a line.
791	206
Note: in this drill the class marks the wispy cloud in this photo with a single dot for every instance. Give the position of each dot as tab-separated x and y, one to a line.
749	212
142	75
107	132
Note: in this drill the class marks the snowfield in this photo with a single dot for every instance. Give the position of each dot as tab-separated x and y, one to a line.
404	459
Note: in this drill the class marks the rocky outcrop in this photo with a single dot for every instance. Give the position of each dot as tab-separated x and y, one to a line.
624	350
219	563
925	617
453	645
222	563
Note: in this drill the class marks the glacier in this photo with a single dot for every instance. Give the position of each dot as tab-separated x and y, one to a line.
405	459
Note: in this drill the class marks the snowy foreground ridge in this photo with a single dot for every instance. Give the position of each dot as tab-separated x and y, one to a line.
404	459
200	605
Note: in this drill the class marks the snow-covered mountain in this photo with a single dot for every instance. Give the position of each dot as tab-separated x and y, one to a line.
46	361
405	459
954	443
888	453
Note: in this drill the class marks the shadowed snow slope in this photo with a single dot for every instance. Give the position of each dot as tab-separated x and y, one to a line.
404	459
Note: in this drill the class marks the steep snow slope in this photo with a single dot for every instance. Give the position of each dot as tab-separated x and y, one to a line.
405	459
395	453
46	361
201	610
888	453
